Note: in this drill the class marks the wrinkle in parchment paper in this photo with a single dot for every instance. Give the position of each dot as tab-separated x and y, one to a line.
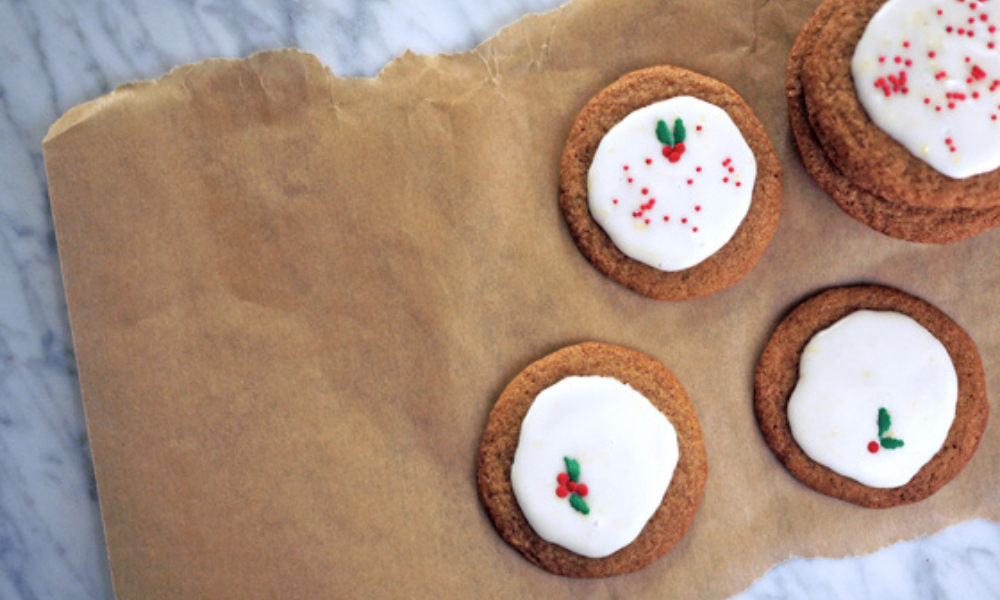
295	299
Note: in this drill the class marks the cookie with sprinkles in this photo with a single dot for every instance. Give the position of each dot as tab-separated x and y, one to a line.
911	223
669	184
871	395
904	97
593	462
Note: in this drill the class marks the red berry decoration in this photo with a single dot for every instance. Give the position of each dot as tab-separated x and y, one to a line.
569	485
672	140
872	447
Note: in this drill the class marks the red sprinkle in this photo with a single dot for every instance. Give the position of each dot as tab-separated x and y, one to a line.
694	229
698	169
739	183
630	180
725	180
697	208
906	44
932	54
978	73
626	167
873	447
881	59
731	169
898	60
615	200
649	161
645	191
647	221
684	220
698	128
690	181
665	219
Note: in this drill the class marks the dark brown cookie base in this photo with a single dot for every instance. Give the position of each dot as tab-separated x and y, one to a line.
734	260
778	373
503	431
910	223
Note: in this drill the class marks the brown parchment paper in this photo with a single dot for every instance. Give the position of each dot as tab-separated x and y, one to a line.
295	299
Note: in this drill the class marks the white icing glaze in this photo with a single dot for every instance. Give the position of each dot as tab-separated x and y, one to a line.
704	197
867	361
627	451
919	114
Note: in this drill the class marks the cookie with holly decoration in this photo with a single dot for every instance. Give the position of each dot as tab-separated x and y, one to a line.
892	114
871	395
593	463
669	184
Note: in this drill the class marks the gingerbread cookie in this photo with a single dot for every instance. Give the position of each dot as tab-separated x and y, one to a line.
670	185
841	94
593	463
871	395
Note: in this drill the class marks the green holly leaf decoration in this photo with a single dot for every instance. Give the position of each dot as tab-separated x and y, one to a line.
884	422
891	443
572	469
577	502
663	133
680	134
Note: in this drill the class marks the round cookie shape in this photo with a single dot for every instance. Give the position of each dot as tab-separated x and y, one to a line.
928	73
875	398
860	150
737	256
911	223
778	374
592	465
620	369
672	182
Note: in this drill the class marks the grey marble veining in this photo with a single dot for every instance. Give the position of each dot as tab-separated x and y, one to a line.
55	54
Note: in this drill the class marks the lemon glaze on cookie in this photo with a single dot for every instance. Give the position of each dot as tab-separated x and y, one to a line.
875	398
667	203
927	72
625	452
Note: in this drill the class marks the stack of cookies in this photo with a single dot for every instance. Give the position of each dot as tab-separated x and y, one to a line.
895	109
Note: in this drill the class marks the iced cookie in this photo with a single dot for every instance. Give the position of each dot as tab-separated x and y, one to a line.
592	463
871	395
877	103
669	184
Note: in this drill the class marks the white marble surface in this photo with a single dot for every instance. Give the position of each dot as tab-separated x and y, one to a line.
55	54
